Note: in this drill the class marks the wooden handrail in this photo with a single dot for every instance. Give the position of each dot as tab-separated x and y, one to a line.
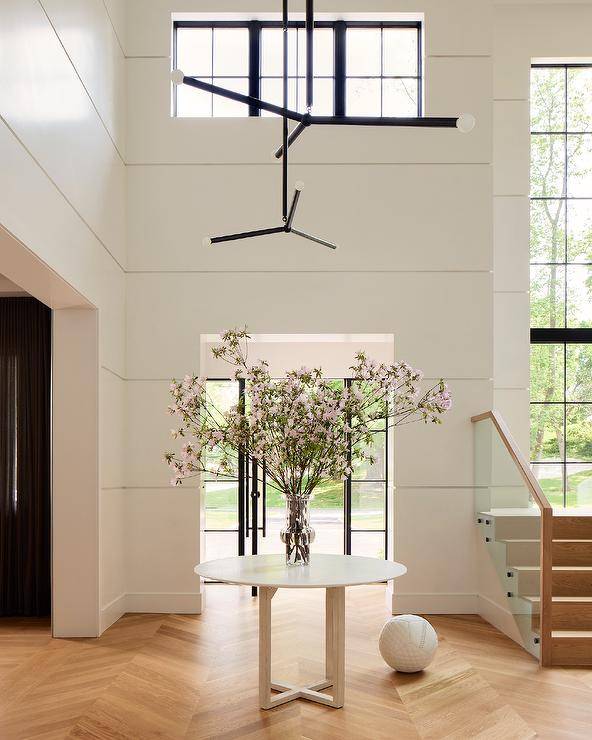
546	557
524	468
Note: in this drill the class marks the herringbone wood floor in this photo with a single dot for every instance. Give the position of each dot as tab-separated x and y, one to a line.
163	676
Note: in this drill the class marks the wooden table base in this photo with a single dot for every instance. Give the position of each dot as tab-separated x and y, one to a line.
334	655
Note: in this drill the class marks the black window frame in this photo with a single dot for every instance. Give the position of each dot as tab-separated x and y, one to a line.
249	529
340	77
565	335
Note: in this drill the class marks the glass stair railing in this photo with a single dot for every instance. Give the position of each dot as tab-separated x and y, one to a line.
514	517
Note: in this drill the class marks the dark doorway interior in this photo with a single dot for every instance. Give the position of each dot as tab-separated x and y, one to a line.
25	447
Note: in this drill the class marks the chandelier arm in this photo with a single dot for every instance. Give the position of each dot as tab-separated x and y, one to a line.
418	122
246	99
295	133
284	118
292	211
246	234
314	238
309	53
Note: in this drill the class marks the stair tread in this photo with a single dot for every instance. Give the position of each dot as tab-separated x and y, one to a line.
584	568
569	539
534	511
511	512
524	539
517	540
562	599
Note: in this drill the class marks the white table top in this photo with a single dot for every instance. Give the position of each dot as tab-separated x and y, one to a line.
324	571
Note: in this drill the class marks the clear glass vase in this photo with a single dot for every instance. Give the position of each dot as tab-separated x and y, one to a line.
297	533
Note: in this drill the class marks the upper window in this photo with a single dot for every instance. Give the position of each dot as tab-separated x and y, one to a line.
360	68
561	281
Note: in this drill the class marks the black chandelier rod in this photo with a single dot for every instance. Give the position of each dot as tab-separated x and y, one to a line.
285	145
304	120
309	56
307	120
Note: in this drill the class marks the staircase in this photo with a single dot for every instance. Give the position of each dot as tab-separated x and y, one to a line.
548	586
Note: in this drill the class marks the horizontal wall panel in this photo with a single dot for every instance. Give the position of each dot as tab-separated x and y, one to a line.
117	10
112	429
441	322
89	38
148	434
387	217
58	236
511	227
162	540
511	147
511	339
45	104
453	87
457	85
112	545
513	405
441	454
434	538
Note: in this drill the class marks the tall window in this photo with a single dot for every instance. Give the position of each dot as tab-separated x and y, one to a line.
561	282
360	68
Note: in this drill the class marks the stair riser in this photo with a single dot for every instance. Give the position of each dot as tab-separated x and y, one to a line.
572	583
525	584
571	651
565	583
564	553
572	553
568	617
523	553
572	527
516	527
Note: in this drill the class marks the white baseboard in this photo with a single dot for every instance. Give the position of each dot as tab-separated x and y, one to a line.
150	603
164	603
433	603
112	612
499	617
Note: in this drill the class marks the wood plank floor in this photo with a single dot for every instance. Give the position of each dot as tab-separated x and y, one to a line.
167	676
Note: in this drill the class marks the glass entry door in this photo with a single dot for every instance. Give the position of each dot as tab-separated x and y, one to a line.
245	512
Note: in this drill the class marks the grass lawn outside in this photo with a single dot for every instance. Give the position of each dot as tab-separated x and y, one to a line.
579	489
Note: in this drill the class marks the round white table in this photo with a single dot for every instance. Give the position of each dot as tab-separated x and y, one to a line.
331	572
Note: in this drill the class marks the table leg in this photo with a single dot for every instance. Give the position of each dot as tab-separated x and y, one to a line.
335	648
329	610
334	655
265	597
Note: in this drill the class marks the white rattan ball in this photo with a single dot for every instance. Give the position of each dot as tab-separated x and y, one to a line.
408	643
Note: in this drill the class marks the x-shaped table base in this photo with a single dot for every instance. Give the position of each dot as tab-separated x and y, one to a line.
334	655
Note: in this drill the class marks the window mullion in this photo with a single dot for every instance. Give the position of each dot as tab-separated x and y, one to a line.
339	67
254	64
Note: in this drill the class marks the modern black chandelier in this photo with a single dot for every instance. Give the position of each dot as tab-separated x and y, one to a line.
463	123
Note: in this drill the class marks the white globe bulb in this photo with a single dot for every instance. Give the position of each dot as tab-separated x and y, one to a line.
408	643
299	185
465	123
177	77
206	241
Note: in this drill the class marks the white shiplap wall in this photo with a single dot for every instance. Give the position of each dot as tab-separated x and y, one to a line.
62	194
412	213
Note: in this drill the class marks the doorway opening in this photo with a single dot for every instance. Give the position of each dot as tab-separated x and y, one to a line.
25	454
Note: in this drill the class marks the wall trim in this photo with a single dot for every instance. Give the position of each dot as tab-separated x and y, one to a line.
434	603
164	603
149	603
111	612
500	617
